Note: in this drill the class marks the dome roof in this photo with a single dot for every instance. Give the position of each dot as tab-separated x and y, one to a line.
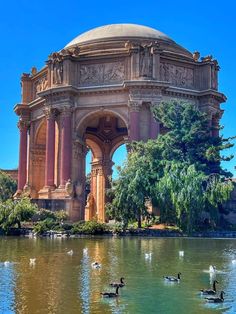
119	31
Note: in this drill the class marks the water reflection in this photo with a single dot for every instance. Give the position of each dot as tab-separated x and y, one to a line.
61	283
84	278
7	287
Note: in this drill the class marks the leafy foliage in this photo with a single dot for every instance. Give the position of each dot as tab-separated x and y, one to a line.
189	137
89	227
179	172
7	187
14	212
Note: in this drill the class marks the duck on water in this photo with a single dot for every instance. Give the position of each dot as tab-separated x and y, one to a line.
172	278
111	294
210	291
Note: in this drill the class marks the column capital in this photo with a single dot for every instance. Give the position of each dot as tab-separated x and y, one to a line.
23	124
50	113
135	105
66	111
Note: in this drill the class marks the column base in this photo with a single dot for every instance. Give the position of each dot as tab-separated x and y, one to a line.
46	192
18	194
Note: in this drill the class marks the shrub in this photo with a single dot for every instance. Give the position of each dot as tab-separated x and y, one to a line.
89	227
43	214
45	225
61	215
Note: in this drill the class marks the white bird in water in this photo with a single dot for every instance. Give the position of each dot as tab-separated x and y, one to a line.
96	265
148	255
234	261
70	252
32	261
85	251
181	253
6	263
212	269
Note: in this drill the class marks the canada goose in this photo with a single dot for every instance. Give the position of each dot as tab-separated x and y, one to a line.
219	299
172	278
210	291
118	284
110	294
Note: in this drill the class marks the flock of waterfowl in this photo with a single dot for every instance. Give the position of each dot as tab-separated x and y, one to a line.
209	293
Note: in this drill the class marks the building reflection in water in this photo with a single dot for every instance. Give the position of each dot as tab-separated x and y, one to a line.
7	287
85	282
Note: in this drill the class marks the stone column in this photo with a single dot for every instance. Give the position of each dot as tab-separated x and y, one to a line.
50	148
134	116
154	125
22	170
66	146
154	128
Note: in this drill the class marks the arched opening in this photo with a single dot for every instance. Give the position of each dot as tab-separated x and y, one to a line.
118	158
38	159
103	132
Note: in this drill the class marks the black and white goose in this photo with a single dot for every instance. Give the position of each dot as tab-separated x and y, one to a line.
219	299
111	294
118	284
210	291
172	278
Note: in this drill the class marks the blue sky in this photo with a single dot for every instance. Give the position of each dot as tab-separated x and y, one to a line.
31	30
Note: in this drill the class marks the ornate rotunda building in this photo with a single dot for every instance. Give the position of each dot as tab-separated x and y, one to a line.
98	93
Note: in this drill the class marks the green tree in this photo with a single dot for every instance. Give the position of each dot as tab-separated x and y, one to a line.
7	186
180	171
189	138
184	193
132	188
14	212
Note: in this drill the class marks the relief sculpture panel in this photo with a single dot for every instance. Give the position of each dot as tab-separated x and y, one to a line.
40	85
98	74
177	75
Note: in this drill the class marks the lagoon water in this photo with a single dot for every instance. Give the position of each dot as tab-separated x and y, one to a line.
62	283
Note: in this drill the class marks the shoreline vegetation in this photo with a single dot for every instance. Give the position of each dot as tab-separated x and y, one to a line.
93	229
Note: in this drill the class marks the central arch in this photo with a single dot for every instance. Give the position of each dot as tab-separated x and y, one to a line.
102	132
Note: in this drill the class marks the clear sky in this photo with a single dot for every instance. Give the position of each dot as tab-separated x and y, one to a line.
31	30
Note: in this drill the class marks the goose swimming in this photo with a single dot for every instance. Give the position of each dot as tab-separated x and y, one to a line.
110	294
118	284
210	291
219	299
172	278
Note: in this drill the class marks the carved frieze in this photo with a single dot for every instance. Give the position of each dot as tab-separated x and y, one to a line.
99	74
177	75
41	84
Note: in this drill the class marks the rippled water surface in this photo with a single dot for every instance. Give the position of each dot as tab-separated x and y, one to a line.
61	283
